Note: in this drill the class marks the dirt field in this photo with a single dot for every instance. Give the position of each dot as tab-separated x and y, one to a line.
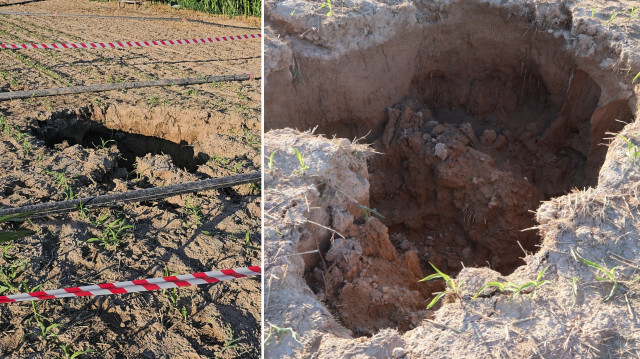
502	149
65	147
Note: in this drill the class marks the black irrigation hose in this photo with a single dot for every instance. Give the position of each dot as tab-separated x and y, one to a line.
146	18
122	86
148	194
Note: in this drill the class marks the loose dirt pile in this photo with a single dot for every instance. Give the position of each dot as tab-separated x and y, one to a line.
66	147
476	113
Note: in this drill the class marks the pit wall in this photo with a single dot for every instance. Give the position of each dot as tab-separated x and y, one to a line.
343	73
447	53
193	135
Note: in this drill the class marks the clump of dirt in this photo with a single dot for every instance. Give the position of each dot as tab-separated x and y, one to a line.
367	283
479	112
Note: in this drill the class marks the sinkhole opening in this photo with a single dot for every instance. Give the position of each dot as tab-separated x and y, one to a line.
91	128
477	120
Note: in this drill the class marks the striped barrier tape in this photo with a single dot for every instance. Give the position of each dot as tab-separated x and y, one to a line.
138	285
122	44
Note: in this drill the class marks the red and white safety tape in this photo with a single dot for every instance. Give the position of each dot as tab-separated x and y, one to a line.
138	285
102	45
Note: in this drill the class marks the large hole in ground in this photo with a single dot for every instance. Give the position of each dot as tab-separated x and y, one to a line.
478	119
93	128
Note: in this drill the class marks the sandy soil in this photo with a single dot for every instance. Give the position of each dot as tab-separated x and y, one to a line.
493	154
90	144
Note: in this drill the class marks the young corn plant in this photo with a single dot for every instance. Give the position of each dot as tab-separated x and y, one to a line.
632	12
103	144
517	289
303	167
9	276
609	275
270	164
195	212
231	344
112	233
174	296
63	182
632	150
68	353
247	241
279	333
613	17
250	139
327	4
368	212
452	287
46	329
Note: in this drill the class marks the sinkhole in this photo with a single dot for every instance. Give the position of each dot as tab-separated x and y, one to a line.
478	119
133	132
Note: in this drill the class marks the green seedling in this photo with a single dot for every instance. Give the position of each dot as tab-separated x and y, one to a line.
613	17
247	241
111	79
609	274
368	212
327	3
279	333
241	95
103	144
195	211
47	331
211	233
633	12
303	167
42	68
534	285
270	164
517	289
26	146
250	139
219	160
254	188
231	343
174	296
632	150
46	326
5	252
593	12
112	234
84	214
68	353
9	275
452	287
63	182
636	78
